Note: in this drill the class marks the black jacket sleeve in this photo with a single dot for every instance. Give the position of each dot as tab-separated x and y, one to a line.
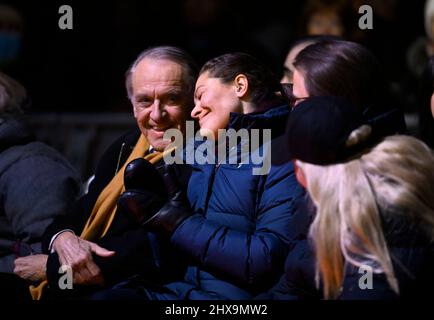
137	251
79	212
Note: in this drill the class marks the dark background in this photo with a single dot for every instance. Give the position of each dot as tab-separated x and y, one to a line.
81	70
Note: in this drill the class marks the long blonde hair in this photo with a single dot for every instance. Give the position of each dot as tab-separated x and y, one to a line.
396	177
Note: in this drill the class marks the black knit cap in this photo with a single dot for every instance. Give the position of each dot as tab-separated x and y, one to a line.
317	131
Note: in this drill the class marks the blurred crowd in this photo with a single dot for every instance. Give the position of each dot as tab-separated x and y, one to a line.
347	189
80	70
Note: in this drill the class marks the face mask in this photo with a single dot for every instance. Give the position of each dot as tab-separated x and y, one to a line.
10	43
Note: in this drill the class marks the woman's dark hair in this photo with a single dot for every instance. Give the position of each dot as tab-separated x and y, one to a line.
263	84
426	90
342	68
313	39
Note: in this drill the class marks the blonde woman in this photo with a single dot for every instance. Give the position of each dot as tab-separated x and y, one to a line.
372	235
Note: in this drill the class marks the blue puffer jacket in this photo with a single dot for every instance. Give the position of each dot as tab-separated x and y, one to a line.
243	226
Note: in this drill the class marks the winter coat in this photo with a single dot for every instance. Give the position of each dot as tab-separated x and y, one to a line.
243	225
137	252
36	185
412	253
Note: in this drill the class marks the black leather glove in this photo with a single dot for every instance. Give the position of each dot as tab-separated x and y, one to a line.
176	209
143	175
145	190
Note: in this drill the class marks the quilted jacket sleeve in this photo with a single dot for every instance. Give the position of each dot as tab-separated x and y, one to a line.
254	258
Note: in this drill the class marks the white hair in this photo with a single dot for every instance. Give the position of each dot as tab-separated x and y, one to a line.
169	53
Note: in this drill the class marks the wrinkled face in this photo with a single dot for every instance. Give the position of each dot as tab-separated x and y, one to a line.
299	89
159	99
214	101
325	23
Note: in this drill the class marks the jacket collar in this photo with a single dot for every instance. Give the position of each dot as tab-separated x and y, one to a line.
274	118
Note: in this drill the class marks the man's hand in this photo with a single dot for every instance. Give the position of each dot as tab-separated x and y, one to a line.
31	268
77	253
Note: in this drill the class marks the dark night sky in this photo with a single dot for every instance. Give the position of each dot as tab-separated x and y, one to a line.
82	69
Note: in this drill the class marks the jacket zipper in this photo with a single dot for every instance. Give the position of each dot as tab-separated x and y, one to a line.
119	158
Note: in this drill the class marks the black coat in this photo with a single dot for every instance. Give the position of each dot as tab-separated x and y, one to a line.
137	251
412	254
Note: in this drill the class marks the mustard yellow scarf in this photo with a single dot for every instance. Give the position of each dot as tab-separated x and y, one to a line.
104	210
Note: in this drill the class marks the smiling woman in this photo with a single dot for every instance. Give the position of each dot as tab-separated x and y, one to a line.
236	231
233	83
237	227
228	87
214	101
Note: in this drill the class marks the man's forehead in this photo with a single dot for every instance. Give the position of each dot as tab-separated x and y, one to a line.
158	77
157	69
151	88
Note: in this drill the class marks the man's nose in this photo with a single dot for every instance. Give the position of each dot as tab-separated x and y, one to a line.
157	112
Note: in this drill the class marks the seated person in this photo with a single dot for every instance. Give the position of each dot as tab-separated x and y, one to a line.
347	69
100	243
372	235
238	224
36	182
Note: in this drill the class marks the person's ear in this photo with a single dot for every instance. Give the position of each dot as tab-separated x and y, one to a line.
299	173
241	85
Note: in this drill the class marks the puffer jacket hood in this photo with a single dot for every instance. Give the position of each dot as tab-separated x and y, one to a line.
274	118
